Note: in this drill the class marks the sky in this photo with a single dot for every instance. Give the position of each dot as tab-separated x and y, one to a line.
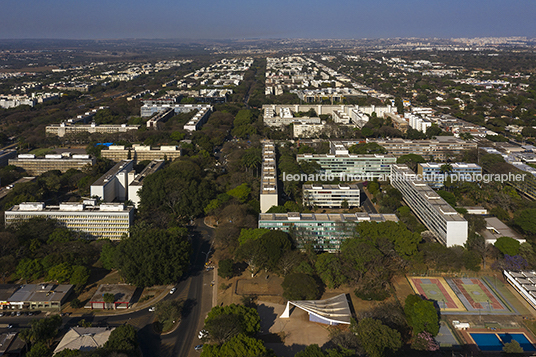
236	19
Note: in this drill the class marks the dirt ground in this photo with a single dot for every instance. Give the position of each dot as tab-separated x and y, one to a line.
289	336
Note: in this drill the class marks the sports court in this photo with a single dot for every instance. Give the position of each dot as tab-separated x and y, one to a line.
437	289
476	295
471	295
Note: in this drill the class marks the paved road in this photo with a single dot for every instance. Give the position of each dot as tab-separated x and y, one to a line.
195	288
367	205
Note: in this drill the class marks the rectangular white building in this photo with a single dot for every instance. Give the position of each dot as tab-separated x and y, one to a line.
269	193
331	196
113	185
108	220
438	216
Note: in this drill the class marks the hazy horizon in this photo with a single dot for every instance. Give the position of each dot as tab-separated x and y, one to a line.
240	19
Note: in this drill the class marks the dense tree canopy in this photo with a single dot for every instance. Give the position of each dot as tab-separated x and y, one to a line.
300	286
153	256
377	339
421	315
182	190
225	322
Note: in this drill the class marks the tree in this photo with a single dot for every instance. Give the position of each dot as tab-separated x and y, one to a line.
265	251
512	347
108	298
79	276
311	351
299	286
524	219
251	234
39	349
424	342
421	315
169	311
448	197
240	345
225	322
411	160
375	338
76	303
225	268
42	330
123	339
329	268
107	256
507	245
153	256
241	192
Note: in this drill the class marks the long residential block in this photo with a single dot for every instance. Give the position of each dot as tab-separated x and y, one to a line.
68	129
440	148
449	227
351	167
108	220
36	166
140	153
325	232
269	194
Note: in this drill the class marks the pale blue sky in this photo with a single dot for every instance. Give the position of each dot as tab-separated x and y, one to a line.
231	19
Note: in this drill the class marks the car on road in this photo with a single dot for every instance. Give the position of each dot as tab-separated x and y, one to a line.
198	347
172	290
152	308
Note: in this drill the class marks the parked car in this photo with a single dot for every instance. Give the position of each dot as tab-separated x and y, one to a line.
152	309
198	347
202	334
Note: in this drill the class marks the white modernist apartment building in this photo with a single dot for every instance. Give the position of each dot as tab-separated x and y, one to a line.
438	216
108	220
114	184
121	183
331	196
269	194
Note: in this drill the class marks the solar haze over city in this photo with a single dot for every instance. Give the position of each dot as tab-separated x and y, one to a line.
255	179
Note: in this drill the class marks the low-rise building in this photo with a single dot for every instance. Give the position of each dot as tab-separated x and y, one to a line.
11	345
36	166
108	220
331	196
496	229
325	232
84	339
449	227
122	293
40	296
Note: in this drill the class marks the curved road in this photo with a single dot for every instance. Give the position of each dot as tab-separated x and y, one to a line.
194	288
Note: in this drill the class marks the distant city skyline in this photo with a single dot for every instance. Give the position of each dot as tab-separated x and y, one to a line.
232	19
